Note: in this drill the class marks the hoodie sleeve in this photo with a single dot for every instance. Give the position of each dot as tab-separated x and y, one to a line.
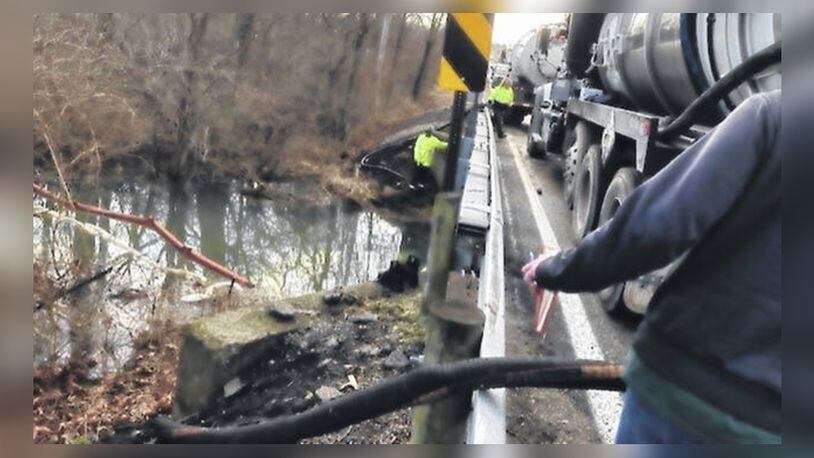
670	212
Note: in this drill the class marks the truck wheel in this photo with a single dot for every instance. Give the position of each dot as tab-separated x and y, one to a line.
576	143
553	143
533	148
515	116
587	192
621	186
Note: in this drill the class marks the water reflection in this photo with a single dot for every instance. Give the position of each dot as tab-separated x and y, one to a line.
287	248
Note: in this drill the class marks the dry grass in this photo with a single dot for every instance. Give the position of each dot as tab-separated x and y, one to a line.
70	409
175	95
173	89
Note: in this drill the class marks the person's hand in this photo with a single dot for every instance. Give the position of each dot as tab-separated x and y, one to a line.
530	269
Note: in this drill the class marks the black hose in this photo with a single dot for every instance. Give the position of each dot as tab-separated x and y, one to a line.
756	63
365	164
425	384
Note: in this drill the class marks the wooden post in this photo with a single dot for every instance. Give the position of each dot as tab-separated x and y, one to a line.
439	259
454	331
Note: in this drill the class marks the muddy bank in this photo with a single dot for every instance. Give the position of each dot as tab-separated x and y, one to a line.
312	168
307	229
357	343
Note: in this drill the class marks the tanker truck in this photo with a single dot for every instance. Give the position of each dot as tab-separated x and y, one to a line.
634	91
534	60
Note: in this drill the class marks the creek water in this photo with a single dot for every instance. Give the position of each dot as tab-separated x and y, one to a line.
286	246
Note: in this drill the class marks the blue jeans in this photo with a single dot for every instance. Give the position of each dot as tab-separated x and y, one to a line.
639	424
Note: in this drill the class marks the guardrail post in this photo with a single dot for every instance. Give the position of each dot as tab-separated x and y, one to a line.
454	330
439	260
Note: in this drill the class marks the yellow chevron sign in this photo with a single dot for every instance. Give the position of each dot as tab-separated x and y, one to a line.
467	46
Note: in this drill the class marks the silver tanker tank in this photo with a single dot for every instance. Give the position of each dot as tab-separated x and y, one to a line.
535	61
536	57
661	62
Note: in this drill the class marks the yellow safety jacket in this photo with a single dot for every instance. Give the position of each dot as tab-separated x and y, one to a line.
501	94
424	149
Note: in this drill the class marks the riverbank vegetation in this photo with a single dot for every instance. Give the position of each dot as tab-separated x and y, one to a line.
170	116
256	96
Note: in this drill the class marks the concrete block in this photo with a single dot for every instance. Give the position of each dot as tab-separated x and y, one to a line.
218	347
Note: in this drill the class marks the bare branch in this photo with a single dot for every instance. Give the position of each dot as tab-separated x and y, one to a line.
152	224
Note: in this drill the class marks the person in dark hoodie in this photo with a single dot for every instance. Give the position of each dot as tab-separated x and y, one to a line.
705	365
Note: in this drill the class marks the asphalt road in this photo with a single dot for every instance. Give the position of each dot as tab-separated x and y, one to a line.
535	213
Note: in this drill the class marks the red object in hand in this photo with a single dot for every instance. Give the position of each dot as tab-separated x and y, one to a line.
544	303
543	299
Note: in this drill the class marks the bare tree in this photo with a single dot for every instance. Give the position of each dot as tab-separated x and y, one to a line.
187	106
435	24
104	26
402	27
244	33
380	55
191	94
358	41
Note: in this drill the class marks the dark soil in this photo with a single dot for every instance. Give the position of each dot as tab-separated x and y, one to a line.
359	343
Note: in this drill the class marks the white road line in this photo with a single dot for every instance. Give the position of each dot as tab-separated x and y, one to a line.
606	406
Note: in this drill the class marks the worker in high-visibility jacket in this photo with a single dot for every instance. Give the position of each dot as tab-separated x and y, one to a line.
501	98
426	146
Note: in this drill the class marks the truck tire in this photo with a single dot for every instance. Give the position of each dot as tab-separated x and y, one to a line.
576	143
534	148
554	140
587	192
515	116
621	186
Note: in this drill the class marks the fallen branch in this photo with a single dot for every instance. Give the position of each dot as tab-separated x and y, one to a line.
149	223
79	284
97	231
422	385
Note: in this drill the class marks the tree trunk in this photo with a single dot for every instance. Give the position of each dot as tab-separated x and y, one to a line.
358	42
104	26
80	313
267	27
244	32
422	68
187	106
396	52
178	205
243	37
380	55
106	195
197	31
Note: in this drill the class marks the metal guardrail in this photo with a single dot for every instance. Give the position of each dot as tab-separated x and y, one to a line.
487	421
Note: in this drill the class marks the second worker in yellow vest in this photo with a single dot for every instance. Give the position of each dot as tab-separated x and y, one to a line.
424	149
503	94
501	98
426	146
